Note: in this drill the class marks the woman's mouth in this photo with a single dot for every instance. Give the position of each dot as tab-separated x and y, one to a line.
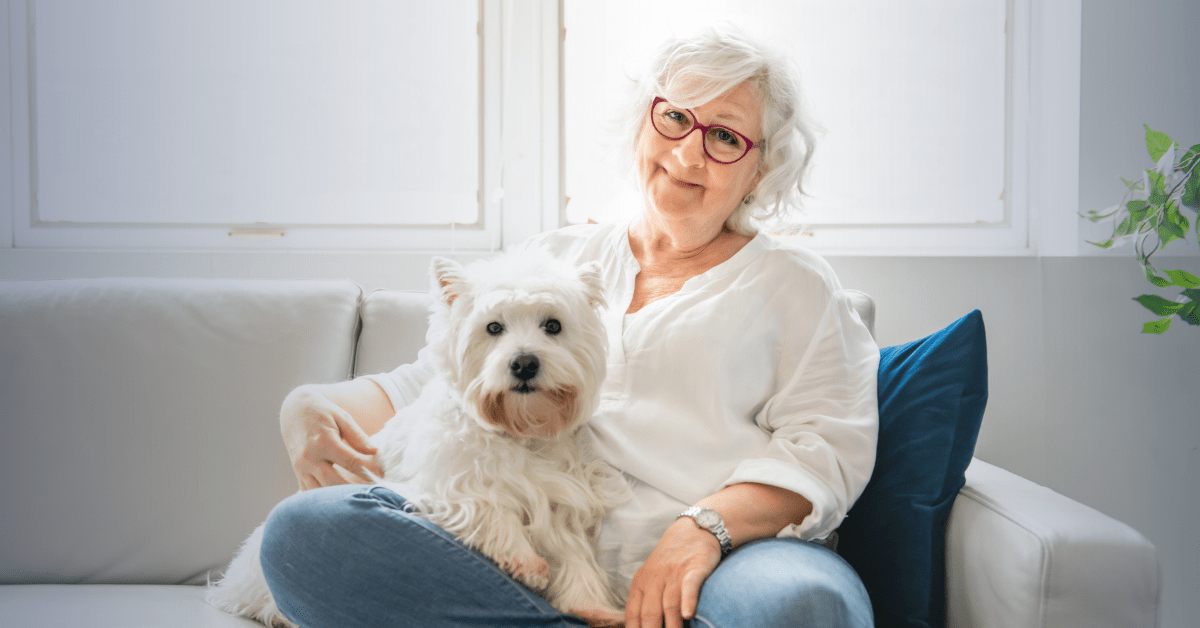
681	183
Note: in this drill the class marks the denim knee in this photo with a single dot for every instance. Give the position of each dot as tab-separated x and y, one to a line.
355	556
784	582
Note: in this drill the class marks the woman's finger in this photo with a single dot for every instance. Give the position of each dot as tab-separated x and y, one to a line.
689	592
651	614
328	476
351	433
632	606
355	462
670	607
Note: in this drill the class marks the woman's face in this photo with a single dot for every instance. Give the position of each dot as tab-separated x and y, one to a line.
681	181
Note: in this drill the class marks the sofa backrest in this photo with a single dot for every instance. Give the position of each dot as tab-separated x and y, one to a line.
139	435
394	324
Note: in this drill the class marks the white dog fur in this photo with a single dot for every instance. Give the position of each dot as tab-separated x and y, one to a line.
490	450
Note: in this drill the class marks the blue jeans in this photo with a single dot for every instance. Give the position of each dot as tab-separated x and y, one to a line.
351	556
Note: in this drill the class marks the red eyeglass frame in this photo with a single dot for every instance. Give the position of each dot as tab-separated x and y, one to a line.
750	144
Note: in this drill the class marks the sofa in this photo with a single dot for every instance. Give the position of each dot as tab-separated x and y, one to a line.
140	446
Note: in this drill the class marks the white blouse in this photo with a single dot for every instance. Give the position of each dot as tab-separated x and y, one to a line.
757	370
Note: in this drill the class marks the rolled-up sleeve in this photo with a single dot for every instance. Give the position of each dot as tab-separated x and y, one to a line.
823	419
404	384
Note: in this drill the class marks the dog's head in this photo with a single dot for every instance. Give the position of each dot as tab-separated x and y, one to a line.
521	339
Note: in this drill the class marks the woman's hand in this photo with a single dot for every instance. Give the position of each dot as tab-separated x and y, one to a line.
667	586
319	434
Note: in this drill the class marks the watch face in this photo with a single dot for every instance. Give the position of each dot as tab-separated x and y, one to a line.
708	518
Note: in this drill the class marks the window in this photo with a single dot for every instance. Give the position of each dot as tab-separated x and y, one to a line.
924	106
287	124
222	123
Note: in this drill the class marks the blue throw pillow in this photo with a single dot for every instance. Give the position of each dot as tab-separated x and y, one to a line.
932	393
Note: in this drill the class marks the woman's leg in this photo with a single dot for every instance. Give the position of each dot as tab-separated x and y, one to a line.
783	582
351	556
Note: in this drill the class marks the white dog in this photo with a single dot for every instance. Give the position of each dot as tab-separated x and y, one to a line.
489	452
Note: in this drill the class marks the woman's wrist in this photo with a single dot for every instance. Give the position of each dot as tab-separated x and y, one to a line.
751	511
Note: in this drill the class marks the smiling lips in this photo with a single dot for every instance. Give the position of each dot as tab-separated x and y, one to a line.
683	183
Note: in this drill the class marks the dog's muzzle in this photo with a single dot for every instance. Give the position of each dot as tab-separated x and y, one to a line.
524	367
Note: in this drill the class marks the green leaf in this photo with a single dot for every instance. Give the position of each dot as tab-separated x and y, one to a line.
1169	232
1192	294
1127	226
1190	313
1191	190
1183	278
1157	143
1104	245
1138	210
1157	327
1192	154
1158	188
1158	305
1131	185
1174	225
1155	279
1177	216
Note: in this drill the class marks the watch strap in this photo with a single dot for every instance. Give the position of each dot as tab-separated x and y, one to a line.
717	528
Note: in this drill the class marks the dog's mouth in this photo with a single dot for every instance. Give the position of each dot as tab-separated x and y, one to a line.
523	415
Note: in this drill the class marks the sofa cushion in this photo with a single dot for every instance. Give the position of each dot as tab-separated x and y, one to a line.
932	394
141	431
394	323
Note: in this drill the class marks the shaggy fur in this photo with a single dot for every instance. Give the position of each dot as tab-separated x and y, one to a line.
490	451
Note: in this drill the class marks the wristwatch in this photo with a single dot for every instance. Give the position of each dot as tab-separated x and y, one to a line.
710	520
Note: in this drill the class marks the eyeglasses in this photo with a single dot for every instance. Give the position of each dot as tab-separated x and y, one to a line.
721	143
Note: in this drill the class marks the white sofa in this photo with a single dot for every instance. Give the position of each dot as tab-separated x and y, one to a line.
139	446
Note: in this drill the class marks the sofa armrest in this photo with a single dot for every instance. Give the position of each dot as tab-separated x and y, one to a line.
1019	555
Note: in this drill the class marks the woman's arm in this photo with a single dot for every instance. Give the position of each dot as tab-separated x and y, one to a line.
667	586
328	424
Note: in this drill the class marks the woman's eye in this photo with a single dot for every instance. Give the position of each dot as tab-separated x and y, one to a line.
495	328
725	136
552	327
676	116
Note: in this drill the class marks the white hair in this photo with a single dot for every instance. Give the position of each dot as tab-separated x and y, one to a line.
692	71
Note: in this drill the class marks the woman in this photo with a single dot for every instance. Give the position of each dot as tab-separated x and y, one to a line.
741	393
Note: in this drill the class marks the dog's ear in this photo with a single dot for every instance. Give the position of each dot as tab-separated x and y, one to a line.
589	274
446	276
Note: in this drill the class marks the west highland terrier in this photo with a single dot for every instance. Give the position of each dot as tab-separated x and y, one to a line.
489	452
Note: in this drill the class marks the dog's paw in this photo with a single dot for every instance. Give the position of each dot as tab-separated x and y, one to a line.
600	616
531	571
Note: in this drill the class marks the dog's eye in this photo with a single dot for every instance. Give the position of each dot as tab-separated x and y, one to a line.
552	327
495	328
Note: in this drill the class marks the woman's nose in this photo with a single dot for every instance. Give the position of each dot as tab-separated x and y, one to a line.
690	149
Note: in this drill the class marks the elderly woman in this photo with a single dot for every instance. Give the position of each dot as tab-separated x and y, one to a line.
740	399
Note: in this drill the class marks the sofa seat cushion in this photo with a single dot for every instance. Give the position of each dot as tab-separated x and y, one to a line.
112	606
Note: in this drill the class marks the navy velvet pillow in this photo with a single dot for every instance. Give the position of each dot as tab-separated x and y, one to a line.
932	393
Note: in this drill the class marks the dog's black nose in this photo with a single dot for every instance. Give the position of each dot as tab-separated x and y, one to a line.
524	366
